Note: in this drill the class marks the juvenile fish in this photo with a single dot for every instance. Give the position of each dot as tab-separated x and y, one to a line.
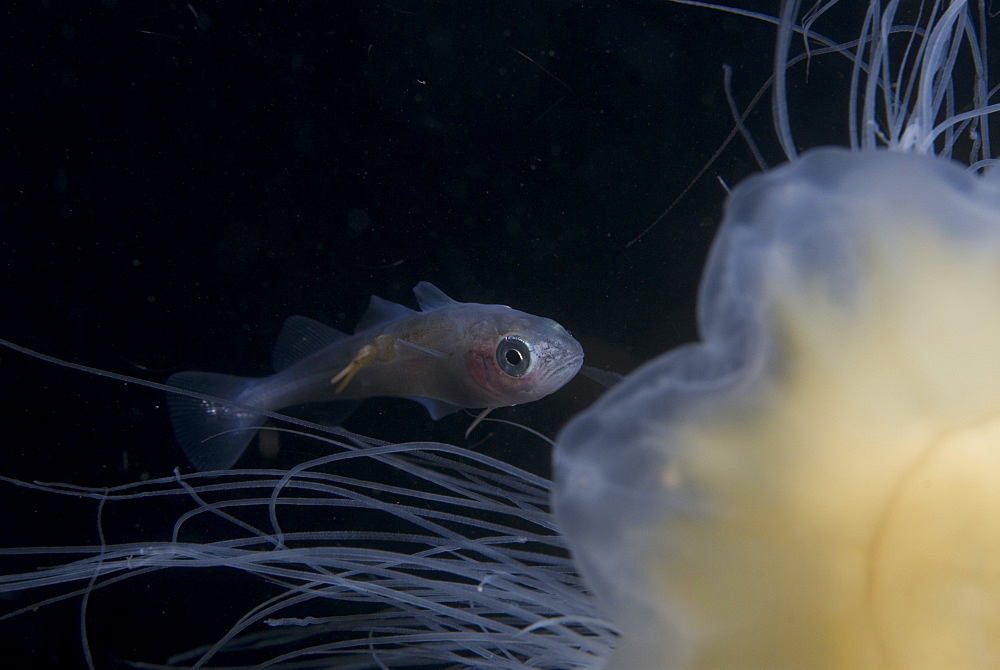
447	356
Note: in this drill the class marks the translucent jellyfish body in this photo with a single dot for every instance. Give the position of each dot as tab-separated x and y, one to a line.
815	483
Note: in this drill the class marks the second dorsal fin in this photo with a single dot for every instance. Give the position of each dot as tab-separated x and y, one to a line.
301	336
380	312
430	297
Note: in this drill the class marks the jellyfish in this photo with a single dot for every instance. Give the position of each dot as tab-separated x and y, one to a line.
806	486
813	484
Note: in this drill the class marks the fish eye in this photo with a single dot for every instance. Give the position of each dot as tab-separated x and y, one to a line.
514	356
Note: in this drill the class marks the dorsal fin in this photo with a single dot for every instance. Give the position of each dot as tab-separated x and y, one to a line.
381	311
430	297
301	336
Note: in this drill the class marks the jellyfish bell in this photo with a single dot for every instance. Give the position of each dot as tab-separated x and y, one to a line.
815	480
813	483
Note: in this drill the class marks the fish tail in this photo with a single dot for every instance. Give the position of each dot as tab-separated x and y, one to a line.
213	435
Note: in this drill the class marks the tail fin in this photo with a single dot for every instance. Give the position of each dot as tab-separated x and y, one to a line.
213	435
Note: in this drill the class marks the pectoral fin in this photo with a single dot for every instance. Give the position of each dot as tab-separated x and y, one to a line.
435	408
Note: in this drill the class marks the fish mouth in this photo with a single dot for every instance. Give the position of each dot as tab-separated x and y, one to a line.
563	372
